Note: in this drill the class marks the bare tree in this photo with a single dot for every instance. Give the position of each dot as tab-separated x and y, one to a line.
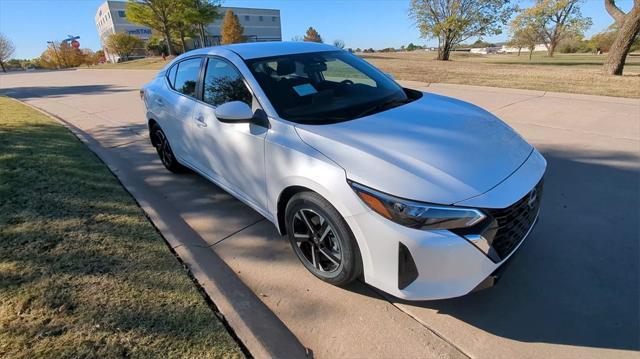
338	43
6	50
629	27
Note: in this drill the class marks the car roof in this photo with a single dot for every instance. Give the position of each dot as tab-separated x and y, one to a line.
253	50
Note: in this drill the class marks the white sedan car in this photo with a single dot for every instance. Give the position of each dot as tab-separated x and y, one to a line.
420	195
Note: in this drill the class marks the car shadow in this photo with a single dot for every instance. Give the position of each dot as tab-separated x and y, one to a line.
575	279
31	92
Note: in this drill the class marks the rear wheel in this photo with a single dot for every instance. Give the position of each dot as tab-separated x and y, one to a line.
321	239
163	148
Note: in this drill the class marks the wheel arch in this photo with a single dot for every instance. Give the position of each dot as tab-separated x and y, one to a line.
150	123
288	192
284	197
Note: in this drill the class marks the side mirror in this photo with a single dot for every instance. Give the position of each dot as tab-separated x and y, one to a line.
234	112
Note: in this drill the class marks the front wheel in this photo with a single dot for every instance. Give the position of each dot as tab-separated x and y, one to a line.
322	240
161	143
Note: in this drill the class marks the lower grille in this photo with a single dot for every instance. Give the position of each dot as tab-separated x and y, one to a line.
407	271
513	223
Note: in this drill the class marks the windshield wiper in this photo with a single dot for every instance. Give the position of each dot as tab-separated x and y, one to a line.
383	106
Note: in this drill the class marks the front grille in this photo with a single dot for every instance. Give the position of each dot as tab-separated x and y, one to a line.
514	222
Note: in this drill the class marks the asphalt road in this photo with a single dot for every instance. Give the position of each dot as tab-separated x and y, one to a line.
572	291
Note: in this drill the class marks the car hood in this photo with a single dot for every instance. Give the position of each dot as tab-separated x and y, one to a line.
435	149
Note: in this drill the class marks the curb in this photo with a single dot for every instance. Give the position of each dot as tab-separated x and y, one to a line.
255	325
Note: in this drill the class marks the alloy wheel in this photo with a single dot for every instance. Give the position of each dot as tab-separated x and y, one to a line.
163	149
317	241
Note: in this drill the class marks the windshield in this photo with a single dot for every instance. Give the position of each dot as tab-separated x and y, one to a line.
325	87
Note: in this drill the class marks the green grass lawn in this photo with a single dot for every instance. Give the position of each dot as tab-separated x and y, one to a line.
83	273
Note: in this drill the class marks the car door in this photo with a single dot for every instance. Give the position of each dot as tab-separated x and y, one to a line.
232	154
179	103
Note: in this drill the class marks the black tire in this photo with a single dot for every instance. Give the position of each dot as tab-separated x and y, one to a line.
163	148
323	241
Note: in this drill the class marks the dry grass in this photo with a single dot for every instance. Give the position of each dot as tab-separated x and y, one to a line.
83	274
573	73
149	63
563	73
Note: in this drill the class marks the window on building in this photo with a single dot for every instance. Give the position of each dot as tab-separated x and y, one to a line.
260	18
187	76
273	19
121	13
223	83
246	18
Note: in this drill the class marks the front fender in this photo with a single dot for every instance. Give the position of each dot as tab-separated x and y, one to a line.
291	162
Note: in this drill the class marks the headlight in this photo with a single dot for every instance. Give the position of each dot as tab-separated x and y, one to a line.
416	214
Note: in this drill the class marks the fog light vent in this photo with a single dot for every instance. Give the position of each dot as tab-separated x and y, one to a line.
407	271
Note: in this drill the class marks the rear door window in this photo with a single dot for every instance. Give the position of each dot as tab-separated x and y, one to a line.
187	77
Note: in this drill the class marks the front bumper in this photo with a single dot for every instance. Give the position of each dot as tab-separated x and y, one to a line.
446	264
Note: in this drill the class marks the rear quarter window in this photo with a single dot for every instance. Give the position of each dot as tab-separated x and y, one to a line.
171	75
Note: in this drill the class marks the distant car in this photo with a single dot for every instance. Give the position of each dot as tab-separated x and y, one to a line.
422	196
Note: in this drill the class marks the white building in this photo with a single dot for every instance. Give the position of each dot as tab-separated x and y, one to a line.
511	49
259	24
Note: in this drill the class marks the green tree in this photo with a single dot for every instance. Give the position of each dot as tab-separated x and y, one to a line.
454	21
232	32
182	26
6	50
628	28
159	15
201	13
411	47
312	35
155	46
525	34
602	41
555	20
122	44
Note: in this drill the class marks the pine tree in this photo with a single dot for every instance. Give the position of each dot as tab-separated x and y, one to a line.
232	32
312	35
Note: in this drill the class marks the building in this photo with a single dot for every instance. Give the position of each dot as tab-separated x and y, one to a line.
259	25
512	49
486	50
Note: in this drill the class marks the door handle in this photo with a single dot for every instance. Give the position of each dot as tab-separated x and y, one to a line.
201	122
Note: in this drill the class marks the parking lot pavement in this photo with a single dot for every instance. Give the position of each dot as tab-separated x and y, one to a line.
572	291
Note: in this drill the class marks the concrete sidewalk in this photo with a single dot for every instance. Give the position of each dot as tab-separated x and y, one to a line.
571	292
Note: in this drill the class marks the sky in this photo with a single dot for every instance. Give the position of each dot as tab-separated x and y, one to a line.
359	23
